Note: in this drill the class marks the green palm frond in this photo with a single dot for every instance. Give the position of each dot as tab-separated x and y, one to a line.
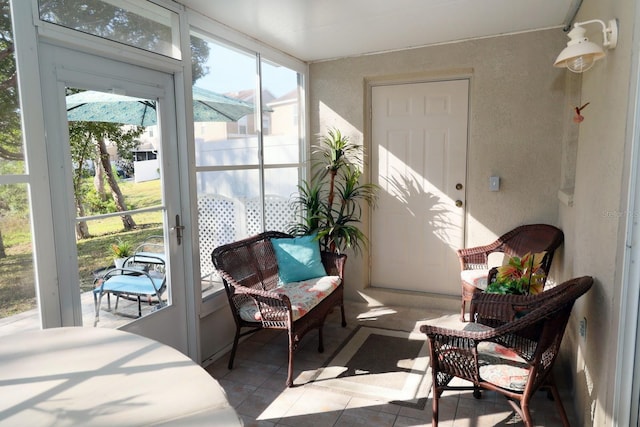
331	202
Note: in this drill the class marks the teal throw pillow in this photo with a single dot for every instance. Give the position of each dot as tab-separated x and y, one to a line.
298	258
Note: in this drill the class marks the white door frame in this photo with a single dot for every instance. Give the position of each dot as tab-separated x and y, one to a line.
61	67
626	394
452	75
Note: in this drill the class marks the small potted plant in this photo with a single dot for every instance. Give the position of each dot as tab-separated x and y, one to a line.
121	250
521	276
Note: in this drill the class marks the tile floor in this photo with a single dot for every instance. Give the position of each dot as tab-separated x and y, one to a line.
255	387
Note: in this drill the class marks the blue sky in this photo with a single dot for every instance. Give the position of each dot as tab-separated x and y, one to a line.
232	70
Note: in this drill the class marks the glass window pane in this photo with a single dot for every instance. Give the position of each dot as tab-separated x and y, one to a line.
229	77
116	173
231	202
112	162
280	187
235	184
230	208
227	203
17	280
11	144
141	24
281	124
18	303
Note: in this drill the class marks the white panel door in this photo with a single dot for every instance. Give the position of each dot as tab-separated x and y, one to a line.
419	141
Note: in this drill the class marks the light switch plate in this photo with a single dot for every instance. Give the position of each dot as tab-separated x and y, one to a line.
494	183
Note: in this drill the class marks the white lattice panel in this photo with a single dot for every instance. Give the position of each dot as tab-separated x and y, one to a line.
218	221
278	214
224	220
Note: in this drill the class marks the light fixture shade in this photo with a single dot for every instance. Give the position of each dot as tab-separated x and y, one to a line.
579	57
580	54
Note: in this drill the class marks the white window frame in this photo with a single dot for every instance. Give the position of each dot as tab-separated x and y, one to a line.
28	31
140	8
626	393
26	15
224	35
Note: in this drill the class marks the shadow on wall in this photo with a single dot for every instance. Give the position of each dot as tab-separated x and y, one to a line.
405	193
328	119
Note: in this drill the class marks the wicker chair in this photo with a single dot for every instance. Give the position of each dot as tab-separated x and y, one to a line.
517	242
249	271
511	349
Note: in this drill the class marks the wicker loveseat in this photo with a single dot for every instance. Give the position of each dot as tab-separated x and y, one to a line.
259	297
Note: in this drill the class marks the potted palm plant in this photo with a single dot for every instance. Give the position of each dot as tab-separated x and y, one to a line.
330	202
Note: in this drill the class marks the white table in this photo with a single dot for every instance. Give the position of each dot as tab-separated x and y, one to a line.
104	377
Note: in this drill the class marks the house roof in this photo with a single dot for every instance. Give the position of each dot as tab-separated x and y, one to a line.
248	95
291	96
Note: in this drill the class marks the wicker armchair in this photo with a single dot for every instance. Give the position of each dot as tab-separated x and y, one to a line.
517	242
511	349
249	271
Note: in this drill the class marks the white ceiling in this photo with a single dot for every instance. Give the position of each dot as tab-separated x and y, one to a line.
313	30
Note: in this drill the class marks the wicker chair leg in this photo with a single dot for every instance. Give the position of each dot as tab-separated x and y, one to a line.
434	407
476	393
526	415
234	348
290	368
559	405
462	310
344	320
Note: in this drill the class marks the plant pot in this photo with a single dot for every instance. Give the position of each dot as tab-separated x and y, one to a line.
119	262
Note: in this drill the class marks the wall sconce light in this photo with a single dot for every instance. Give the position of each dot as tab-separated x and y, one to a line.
580	54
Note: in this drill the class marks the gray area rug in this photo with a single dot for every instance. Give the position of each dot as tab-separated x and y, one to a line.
381	364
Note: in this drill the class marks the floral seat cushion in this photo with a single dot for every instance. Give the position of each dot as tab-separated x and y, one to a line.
477	278
304	295
502	366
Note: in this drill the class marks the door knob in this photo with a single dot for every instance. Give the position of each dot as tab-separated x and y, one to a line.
458	186
459	203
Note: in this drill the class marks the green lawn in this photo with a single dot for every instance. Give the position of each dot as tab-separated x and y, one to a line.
17	285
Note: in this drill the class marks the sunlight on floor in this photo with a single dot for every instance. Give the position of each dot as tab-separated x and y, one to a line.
376	313
256	389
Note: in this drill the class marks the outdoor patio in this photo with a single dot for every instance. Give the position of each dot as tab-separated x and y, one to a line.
30	320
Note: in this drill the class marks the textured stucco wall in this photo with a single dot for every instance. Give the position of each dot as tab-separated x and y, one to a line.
595	225
516	128
521	129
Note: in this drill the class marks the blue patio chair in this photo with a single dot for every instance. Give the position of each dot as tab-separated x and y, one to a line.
133	281
150	252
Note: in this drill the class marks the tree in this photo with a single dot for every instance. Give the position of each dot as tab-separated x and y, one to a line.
113	23
11	151
10	134
88	142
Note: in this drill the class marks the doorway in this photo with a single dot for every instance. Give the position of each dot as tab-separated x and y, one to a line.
419	158
82	240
